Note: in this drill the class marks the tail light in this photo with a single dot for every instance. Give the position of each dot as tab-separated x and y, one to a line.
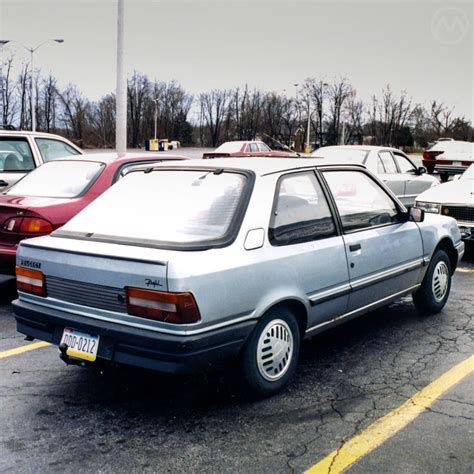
28	226
30	281
431	155
177	308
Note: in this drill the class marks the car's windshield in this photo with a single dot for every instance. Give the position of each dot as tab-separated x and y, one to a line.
59	179
342	154
229	147
468	174
169	207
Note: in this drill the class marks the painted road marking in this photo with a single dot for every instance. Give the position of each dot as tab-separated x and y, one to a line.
22	349
465	270
387	426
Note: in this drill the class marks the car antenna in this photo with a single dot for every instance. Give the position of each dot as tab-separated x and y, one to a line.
286	147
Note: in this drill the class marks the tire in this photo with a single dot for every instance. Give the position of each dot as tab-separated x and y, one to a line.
263	374
433	293
430	169
444	177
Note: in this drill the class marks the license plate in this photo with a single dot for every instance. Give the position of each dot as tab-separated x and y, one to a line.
80	345
457	163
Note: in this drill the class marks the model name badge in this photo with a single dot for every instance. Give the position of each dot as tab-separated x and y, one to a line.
30	264
152	283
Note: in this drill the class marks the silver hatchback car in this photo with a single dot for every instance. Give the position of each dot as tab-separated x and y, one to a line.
181	267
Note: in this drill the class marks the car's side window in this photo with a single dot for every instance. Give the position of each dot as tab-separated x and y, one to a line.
15	155
253	148
388	163
300	211
361	202
405	165
53	149
264	148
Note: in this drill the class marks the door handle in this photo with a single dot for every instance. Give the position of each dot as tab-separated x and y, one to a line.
3	183
354	247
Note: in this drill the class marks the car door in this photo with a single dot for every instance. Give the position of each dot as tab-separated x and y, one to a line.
384	250
308	249
415	183
388	173
16	160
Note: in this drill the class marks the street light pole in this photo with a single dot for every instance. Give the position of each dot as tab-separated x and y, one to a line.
121	86
2	90
156	116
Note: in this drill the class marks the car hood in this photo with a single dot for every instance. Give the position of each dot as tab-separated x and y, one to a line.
455	192
28	202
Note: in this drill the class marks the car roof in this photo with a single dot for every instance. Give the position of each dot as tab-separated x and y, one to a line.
260	166
360	147
109	157
26	133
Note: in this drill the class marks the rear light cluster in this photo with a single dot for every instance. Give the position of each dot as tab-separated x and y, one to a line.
177	308
431	155
27	226
30	281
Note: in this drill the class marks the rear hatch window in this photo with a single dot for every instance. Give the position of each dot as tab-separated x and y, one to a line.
58	179
185	209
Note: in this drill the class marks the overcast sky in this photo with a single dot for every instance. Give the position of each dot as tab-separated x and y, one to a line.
423	46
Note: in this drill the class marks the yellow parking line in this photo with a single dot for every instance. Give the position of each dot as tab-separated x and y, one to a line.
465	270
390	424
22	349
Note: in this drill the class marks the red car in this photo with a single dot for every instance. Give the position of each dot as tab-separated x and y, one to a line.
49	196
249	148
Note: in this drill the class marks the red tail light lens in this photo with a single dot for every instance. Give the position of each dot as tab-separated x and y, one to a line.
28	226
177	308
30	281
431	155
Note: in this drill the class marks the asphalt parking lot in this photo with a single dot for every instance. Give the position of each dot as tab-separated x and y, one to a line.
55	417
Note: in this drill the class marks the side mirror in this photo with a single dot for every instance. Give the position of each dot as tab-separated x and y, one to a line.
416	214
421	170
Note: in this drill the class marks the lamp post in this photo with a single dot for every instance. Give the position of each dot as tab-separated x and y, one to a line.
32	50
156	116
2	118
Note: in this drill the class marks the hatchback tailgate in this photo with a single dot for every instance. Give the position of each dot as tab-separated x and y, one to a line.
92	275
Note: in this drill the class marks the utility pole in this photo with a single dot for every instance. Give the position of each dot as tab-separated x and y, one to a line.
121	87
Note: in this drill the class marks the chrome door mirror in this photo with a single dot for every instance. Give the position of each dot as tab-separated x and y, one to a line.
416	214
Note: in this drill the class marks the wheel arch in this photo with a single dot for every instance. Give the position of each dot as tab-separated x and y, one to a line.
447	245
297	307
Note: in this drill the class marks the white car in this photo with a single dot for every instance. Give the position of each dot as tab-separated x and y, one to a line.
22	152
454	199
390	165
448	157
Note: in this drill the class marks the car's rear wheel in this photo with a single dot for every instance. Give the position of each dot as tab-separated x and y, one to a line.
444	177
433	293
430	169
270	356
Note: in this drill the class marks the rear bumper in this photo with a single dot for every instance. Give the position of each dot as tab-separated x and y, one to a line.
138	347
449	167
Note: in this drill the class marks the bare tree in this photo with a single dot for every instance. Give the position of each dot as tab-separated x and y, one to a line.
214	107
7	90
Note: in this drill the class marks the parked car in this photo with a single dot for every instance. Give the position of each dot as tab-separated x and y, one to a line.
448	157
246	148
180	268
454	199
391	165
49	196
22	152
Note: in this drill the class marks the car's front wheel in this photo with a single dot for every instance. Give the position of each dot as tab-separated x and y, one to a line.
270	356
433	293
